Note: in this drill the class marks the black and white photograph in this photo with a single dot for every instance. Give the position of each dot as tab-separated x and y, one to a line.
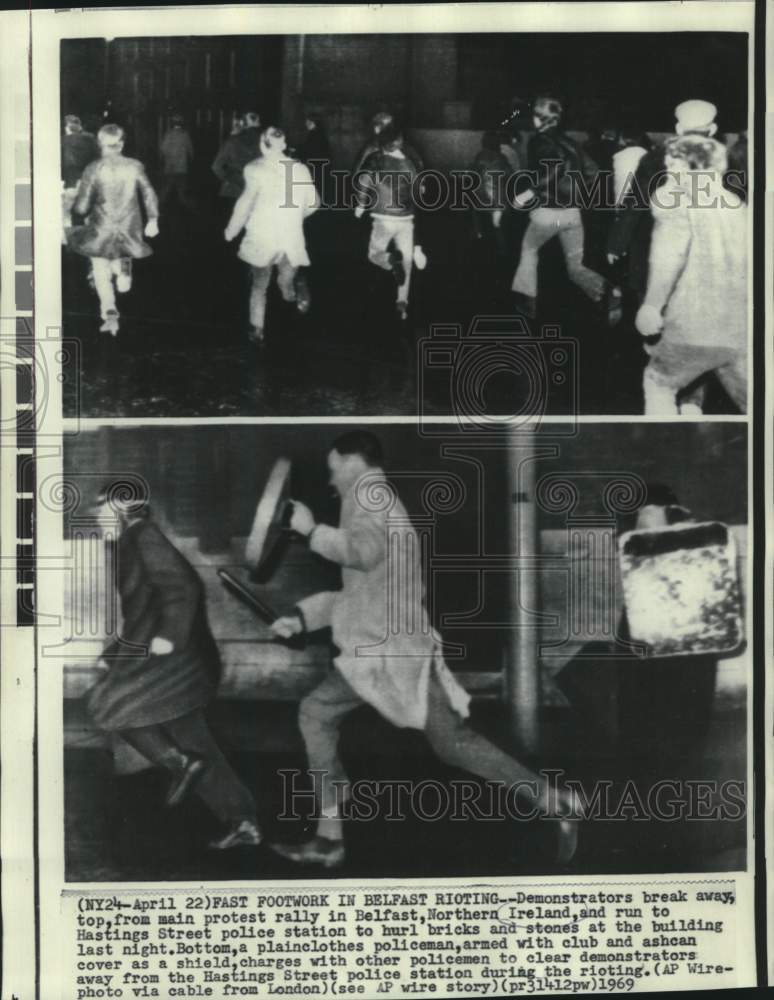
267	225
337	650
385	591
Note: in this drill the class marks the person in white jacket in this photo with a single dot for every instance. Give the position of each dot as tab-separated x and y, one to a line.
279	194
389	655
696	297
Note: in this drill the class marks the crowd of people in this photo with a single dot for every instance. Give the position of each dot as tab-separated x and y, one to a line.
674	224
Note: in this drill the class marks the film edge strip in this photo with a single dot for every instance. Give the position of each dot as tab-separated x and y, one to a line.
25	372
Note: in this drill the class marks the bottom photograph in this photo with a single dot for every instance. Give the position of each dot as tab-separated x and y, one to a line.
387	651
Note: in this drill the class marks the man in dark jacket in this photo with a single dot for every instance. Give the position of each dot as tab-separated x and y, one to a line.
242	146
387	186
79	148
558	166
163	670
176	153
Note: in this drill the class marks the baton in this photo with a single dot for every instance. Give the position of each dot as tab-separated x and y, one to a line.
264	611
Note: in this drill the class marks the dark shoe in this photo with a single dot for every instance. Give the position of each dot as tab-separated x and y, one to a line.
244	834
401	308
303	296
184	781
255	335
318	851
396	264
525	305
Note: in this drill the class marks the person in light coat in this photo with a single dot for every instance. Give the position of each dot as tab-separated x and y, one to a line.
279	194
696	296
389	656
109	196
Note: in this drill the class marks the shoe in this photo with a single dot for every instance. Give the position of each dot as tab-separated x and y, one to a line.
183	782
110	322
303	298
526	305
420	258
318	851
396	264
244	834
255	335
401	309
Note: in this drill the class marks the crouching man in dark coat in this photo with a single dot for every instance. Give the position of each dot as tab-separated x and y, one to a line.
163	670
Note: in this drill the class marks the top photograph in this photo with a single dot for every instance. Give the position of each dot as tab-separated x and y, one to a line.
513	224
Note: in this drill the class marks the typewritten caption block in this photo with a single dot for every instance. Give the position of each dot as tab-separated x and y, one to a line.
370	943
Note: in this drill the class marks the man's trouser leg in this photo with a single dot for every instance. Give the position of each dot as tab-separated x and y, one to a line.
459	745
660	398
403	236
103	282
155	746
219	787
673	366
286	279
166	744
571	238
261	276
381	237
542	227
320	716
733	378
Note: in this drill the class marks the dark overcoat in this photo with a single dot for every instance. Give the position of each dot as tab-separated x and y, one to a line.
161	595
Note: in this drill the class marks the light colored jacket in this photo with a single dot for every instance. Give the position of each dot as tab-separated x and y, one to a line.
279	194
698	262
109	195
379	619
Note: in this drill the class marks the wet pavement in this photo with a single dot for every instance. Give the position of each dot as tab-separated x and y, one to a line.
182	349
118	829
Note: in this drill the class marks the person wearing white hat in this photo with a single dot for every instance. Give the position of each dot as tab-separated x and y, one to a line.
696	116
631	231
696	296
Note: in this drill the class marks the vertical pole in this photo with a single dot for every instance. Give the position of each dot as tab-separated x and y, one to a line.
300	66
522	675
